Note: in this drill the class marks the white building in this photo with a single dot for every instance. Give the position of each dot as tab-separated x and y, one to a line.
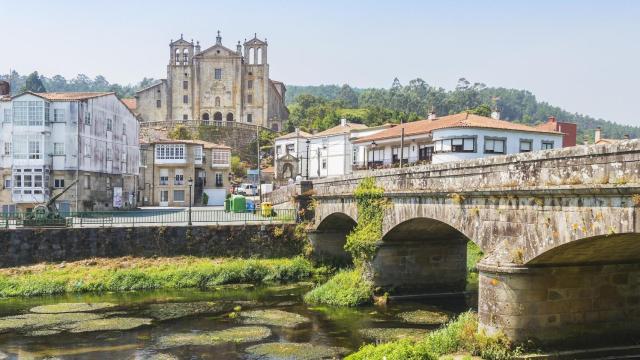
451	138
329	153
50	139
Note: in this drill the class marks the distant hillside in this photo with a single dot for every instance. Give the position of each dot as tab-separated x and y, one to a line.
415	99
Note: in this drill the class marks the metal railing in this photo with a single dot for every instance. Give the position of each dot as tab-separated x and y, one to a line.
155	217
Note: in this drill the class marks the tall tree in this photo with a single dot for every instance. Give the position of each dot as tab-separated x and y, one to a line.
348	96
34	83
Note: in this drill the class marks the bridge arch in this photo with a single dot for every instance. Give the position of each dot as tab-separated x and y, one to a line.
330	236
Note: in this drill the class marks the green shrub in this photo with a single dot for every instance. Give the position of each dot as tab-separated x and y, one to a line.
361	242
346	288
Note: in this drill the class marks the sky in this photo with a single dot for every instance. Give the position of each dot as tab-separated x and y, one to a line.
583	56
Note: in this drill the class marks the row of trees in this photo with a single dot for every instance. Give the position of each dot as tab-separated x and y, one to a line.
323	106
81	83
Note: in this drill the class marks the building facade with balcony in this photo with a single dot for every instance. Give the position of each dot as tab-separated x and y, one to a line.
449	138
168	165
48	140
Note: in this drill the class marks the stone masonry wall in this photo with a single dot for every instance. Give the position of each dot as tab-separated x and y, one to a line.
30	246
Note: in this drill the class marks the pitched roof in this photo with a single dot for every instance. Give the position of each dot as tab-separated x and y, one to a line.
460	120
205	144
131	103
293	135
67	96
341	129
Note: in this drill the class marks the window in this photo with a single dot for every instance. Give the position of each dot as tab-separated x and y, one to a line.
58	148
158	103
324	163
164	196
179	177
396	154
58	115
108	182
218	74
249	99
249	118
185	117
29	113
178	195
425	153
219	180
461	144
7	115
250	84
124	131
34	149
109	125
7	148
217	101
526	145
58	183
547	145
185	85
87	118
185	99
87	150
494	146
87	181
109	154
220	157
197	154
290	148
354	155
7	183
170	152
164	177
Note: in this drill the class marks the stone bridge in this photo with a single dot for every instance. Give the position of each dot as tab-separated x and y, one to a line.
559	229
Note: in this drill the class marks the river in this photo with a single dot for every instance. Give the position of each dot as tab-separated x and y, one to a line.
338	328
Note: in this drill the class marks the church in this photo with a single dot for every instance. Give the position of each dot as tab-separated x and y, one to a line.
216	85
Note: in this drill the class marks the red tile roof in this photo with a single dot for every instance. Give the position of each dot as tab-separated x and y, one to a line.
461	120
131	103
70	96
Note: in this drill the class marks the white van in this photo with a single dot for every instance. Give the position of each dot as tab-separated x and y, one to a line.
247	189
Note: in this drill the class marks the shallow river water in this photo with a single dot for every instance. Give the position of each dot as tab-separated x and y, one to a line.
338	328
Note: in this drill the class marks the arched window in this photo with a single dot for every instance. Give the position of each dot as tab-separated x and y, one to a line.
217	101
259	56
252	52
274	127
185	55
205	118
177	58
217	116
229	117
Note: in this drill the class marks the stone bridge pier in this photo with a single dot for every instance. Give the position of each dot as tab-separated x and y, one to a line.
560	233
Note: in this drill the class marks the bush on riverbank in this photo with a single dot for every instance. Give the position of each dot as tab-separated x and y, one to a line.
141	274
346	288
460	335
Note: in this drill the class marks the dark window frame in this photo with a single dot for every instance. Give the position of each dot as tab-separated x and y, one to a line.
494	139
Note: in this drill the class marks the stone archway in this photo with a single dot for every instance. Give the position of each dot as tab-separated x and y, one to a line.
217	116
205	118
229	117
330	236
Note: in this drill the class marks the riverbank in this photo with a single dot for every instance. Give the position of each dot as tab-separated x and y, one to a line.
132	273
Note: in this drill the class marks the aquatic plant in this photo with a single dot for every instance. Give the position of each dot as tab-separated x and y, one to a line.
238	334
424	317
70	307
393	334
112	323
273	317
298	351
346	288
168	311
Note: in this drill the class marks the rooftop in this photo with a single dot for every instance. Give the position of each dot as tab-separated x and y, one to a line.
68	96
343	128
130	103
295	134
460	120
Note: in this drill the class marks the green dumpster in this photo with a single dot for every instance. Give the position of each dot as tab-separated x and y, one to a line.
238	204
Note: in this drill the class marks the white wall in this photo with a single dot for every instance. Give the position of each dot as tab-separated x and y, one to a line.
334	151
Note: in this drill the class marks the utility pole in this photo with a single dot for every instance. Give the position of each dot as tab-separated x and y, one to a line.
401	142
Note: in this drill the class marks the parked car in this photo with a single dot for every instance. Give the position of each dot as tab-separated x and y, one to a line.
247	189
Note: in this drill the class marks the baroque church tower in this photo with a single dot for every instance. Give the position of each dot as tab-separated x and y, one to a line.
217	86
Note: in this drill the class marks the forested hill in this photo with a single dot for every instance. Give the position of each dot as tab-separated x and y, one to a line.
415	99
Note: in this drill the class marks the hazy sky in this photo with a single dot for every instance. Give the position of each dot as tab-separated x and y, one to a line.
580	55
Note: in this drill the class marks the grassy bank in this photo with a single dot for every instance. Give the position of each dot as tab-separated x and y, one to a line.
346	288
458	336
129	273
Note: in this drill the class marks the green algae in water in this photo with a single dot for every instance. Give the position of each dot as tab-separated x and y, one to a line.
236	335
297	351
393	334
70	308
424	317
168	311
273	317
114	323
36	323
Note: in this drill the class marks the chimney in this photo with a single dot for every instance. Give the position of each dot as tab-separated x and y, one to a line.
343	122
552	119
598	135
197	47
297	132
495	114
432	113
5	88
626	136
239	48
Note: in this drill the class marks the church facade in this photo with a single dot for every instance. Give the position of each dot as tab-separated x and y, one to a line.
216	85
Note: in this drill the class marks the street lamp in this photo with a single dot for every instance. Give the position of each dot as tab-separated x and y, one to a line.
308	141
190	185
